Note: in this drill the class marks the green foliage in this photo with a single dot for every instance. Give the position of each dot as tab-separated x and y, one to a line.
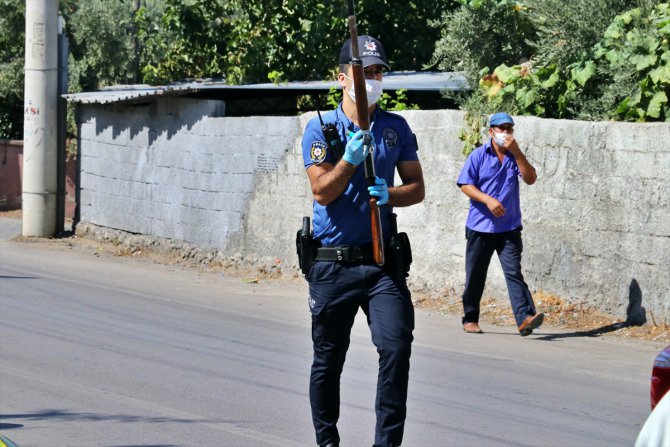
471	135
522	90
393	102
183	41
476	116
401	27
477	37
585	70
334	97
627	76
100	43
99	38
635	48
276	77
567	31
243	41
396	101
482	33
248	41
12	26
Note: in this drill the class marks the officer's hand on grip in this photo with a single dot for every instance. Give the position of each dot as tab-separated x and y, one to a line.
355	152
380	190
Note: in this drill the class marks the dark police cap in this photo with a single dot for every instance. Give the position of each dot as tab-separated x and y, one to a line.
370	50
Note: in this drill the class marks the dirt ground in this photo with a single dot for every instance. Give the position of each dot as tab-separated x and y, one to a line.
584	321
558	313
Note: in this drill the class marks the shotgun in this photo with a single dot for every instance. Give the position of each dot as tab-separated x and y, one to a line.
358	75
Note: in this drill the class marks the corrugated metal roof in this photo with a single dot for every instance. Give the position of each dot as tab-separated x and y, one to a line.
127	93
412	81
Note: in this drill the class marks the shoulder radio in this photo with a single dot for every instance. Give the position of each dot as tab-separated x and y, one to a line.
332	137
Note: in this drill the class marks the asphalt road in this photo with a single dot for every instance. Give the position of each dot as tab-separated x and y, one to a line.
105	351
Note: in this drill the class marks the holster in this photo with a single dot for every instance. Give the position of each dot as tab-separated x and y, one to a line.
399	252
305	246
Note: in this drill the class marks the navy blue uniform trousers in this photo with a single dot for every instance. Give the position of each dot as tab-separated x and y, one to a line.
478	253
336	292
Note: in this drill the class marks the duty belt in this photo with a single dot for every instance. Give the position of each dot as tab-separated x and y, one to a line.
345	253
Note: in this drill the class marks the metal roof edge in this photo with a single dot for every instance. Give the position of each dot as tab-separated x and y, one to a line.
409	80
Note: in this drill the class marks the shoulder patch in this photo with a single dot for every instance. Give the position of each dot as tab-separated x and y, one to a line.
390	137
318	152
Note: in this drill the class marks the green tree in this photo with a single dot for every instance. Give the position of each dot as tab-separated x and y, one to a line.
586	59
101	51
12	28
624	75
474	39
567	31
633	59
255	40
243	41
99	33
402	27
184	41
482	34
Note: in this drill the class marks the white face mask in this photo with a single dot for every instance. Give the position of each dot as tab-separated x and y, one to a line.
373	88
500	137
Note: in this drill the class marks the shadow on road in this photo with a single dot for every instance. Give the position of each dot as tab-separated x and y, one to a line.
590	333
17	277
63	415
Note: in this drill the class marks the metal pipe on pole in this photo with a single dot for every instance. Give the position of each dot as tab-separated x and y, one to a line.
61	151
40	120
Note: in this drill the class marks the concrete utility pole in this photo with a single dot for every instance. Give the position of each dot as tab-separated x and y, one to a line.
40	123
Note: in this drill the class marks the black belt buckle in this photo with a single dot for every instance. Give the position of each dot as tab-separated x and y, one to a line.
356	254
346	253
349	254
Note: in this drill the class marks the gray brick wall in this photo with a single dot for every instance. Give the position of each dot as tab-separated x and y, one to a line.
597	220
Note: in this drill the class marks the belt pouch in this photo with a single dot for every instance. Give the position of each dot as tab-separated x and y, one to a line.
305	246
400	252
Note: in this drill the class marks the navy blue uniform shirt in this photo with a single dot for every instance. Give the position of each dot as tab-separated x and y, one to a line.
346	220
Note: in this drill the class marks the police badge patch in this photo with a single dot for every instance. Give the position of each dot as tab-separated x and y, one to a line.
390	137
318	152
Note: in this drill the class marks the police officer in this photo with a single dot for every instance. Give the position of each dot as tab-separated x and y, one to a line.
344	276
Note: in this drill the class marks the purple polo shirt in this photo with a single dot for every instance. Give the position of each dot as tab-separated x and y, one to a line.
500	181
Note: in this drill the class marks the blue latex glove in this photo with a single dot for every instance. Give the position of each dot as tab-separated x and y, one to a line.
380	190
354	152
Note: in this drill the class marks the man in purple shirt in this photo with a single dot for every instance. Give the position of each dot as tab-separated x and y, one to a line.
490	179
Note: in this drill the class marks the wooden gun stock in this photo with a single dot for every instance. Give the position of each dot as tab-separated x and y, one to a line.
358	75
376	227
375	216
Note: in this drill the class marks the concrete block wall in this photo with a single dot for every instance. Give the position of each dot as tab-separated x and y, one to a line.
596	224
175	169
